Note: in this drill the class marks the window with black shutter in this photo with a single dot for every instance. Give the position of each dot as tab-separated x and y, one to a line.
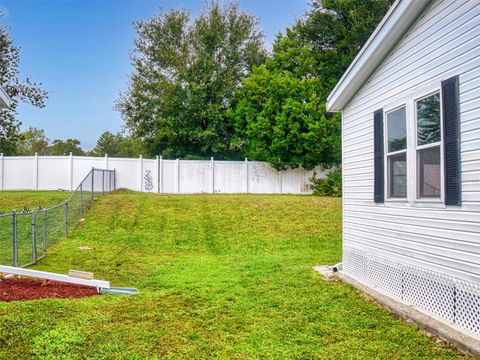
425	144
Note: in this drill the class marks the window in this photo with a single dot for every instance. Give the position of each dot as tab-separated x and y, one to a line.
429	137
397	153
421	139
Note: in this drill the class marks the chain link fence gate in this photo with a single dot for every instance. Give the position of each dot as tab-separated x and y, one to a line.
26	235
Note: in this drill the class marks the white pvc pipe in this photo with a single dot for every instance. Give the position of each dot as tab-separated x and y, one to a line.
55	277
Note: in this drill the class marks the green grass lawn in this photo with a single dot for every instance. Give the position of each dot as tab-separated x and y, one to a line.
220	276
24	202
18	200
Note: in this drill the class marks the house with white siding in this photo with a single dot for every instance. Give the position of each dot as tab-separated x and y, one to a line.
4	98
410	105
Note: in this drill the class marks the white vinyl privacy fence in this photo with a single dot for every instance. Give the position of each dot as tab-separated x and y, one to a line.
154	175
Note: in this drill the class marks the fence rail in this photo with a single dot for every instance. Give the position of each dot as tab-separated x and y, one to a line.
26	235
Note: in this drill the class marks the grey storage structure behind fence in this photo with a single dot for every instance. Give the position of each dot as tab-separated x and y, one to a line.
25	235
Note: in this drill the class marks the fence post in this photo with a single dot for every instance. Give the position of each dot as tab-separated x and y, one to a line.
66	218
157	172
160	176
140	173
114	180
177	174
34	235
44	230
14	224
106	173
2	171
93	183
212	162
70	173
35	170
246	176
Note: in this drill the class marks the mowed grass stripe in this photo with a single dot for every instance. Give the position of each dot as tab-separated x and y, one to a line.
220	276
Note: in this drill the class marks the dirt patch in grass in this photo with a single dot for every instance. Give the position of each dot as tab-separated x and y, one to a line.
32	289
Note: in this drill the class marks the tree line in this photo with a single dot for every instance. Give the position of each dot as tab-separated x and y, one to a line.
34	141
208	86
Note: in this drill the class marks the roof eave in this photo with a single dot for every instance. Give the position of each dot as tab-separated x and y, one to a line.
397	21
4	98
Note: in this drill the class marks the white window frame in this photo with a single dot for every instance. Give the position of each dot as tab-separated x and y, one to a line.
416	165
387	154
409	100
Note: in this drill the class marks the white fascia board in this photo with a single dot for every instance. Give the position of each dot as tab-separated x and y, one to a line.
4	98
388	33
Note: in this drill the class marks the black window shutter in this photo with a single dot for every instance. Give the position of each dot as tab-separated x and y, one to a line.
451	140
379	174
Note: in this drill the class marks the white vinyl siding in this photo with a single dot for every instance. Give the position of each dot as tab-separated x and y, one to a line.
443	43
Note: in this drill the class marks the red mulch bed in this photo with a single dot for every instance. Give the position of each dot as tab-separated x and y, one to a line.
32	289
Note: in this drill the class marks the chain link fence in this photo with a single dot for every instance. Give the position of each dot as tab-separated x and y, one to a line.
26	235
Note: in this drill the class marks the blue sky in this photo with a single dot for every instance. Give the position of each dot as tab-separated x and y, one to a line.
80	51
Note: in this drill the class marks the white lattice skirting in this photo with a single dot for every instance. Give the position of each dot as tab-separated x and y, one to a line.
455	300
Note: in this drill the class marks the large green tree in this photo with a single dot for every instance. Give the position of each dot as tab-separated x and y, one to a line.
335	31
280	116
280	113
65	147
185	74
19	90
32	141
131	147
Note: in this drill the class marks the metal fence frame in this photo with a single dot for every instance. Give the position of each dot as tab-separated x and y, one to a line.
52	222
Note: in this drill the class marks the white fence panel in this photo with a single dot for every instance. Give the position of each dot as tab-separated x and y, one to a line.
126	171
153	175
81	166
52	174
296	181
195	176
148	178
230	177
18	173
263	179
293	181
170	176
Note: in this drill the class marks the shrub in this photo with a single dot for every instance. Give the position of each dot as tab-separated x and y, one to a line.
330	185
